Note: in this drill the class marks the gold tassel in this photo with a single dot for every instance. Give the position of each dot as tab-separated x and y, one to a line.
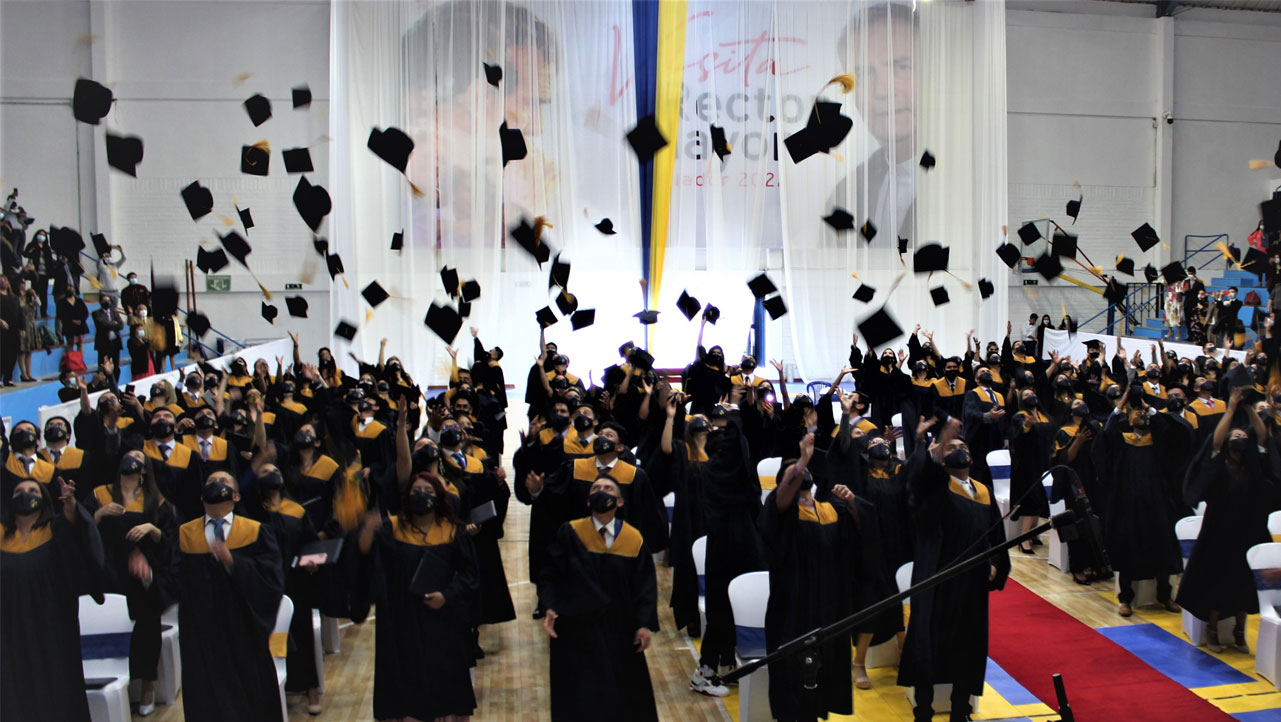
1223	248
240	79
539	224
226	221
418	192
350	504
845	80
968	286
265	292
1261	164
369	315
344	282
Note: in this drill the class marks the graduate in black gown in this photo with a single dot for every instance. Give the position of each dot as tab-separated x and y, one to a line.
230	586
1031	433
1072	448
601	597
1234	477
956	517
422	653
812	555
50	554
687	460
540	454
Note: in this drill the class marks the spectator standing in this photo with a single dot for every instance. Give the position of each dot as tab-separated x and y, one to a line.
30	339
108	324
41	258
72	317
134	295
12	329
109	265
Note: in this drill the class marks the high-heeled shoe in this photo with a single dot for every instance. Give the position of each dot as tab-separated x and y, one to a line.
1026	550
1212	639
1238	637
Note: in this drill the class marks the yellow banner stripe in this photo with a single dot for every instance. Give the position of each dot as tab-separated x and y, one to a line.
672	15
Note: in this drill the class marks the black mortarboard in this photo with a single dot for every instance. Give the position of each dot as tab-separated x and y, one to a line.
1271	210
559	275
397	240
865	293
1175	272
645	138
1125	265
297	160
464	308
930	257
1064	244
164	299
688	305
647	317
91	101
470	291
545	317
927	160
1150	272
524	234
100	244
513	142
211	261
345	330
198	199
1048	266
259	109
1255	261
1095	344
297	306
334	262
1145	235
711	314
1276	159
1029	233
1009	254
449	279
375	294
198	323
868	230
879	329
124	153
246	218
302	96
566	302
445	321
641	359
840	219
719	146
775	307
493	74
824	130
986	288
269	312
392	145
1074	208
902	245
761	286
606	226
939	295
237	247
254	160
583	318
321	245
313	203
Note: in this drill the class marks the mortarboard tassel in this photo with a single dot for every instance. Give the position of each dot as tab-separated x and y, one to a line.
845	80
1261	164
239	80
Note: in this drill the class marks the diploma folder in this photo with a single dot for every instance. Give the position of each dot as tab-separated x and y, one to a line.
433	574
482	513
321	552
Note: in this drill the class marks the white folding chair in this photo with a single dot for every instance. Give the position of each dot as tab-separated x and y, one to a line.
1265	562
284	615
111	702
699	550
1187	529
942	692
749	597
1057	549
669	503
1274	525
330	636
998	462
897	422
317	650
1200	509
767	473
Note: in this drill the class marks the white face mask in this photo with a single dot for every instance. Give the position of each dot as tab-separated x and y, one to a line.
133	282
142	313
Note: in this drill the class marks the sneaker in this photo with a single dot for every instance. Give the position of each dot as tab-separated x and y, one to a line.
1171	606
1124	610
702	683
146	709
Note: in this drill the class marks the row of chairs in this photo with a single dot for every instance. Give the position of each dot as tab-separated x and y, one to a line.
105	631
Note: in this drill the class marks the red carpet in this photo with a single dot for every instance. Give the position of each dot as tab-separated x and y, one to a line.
1032	639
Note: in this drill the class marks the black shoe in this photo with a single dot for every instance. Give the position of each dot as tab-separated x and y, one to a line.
539	612
1036	542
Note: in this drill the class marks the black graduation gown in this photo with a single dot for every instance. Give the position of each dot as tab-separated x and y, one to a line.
495	602
601	596
226	621
1081	554
1237	500
293	531
947	636
41	677
687	525
1030	454
541	455
422	655
642	508
982	436
1139	526
178	478
812	555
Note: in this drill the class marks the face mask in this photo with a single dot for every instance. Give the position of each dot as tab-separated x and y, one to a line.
994	360
420	502
1152	376
55	434
1080	412
271	481
1063	383
1239	445
715	359
142	313
602	501
216	492
365	406
304	438
582	423
1207	388
603	446
1176	405
425	457
1030	401
951	374
23	439
211	383
558	422
366	386
1141	423
383	387
1114	393
985	379
130	466
451	437
205	422
699	424
878	452
887	360
921	367
807	481
71	382
27	502
748	367
957	459
161	429
560	383
860	443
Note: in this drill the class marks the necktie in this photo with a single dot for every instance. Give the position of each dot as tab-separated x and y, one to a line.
603	532
218	533
605	469
164	451
57	456
204	449
28	462
460	460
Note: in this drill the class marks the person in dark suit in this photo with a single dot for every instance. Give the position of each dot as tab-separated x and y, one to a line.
12	327
1190	294
41	257
108	323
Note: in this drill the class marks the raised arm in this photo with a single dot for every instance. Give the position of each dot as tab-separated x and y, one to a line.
1224	427
382	354
782	384
404	460
666	443
790	484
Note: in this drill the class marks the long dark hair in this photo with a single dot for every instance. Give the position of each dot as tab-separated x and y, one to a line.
9	517
150	492
444	507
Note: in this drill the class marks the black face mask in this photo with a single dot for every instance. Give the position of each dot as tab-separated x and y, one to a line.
161	429
861	442
951	374
1141	423
699	424
1030	401
602	501
420	502
582	423
558	422
204	422
130	466
1175	405
1063	383
985	379
994	360
23	439
715	359
1080	412
365	406
602	445
211	383
366	386
271	481
451	436
560	383
1152	376
304	438
383	387
1239	445
1207	387
747	367
425	457
957	459
887	360
216	492
878	452
55	434
28	502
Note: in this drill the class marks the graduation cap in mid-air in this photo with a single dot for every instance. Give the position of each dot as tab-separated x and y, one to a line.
879	329
1125	265
840	220
258	108
1074	208
1114	291
198	199
246	218
392	145
583	318
397	240
606	226
1150	273
1029	233
646	139
566	302
530	238
236	246
1064	244
930	257
986	289
470	291
375	294
761	286
297	160
211	261
711	314
1049	266
688	305
865	293
775	307
545	317
824	130
297	306
559	275
198	323
939	296
647	317
868	230
269	312
927	160
719	145
313	203
345	330
493	74
449	280
902	245
255	159
1009	254
124	153
301	96
91	101
513	143
1175	272
334	263
100	245
1145	236
444	321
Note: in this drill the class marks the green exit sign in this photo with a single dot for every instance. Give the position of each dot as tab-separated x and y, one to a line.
217	284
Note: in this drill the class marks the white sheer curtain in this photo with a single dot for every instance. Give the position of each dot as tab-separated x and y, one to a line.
419	66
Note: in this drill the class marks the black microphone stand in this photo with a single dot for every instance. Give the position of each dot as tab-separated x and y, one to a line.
808	643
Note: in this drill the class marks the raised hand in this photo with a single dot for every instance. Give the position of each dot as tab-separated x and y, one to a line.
534	482
777	366
671	406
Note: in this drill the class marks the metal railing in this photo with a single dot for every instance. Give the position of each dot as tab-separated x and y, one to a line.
1190	253
1142	301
